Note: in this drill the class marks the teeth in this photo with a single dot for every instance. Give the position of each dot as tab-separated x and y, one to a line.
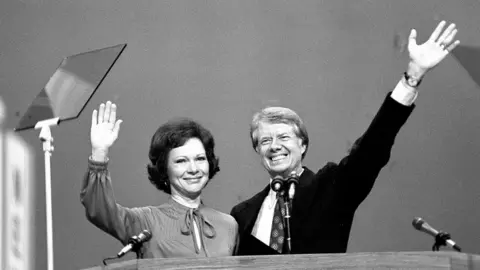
278	158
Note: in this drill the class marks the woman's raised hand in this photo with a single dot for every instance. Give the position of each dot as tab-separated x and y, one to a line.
105	127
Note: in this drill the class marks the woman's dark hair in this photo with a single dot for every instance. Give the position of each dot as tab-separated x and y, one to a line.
173	134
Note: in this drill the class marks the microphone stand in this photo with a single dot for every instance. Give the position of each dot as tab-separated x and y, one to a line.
137	247
286	190
286	218
441	240
288	195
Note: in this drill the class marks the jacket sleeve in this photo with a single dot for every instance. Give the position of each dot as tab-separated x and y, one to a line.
103	211
356	173
235	238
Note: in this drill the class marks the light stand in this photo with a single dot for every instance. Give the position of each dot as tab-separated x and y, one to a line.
64	97
47	140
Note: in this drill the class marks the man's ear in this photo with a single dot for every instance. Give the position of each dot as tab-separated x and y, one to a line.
303	147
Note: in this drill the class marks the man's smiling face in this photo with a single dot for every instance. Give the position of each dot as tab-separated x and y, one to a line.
280	148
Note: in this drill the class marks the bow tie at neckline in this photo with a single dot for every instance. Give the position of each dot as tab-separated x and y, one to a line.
205	228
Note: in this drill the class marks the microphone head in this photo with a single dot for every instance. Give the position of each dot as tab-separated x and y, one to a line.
145	235
423	226
277	186
278	178
293	178
417	223
277	183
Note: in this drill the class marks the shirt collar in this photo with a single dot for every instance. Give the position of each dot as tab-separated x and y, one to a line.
183	203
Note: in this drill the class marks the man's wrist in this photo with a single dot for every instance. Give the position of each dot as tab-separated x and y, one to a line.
413	76
415	71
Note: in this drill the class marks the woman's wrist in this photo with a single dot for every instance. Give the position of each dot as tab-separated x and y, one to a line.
100	155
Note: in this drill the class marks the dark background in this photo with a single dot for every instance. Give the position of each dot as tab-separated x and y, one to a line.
220	61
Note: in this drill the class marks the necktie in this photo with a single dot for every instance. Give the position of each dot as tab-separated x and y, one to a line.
277	236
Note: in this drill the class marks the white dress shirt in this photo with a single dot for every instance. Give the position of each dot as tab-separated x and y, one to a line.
402	93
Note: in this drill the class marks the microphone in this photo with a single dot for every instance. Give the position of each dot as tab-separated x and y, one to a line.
292	184
277	183
135	242
421	225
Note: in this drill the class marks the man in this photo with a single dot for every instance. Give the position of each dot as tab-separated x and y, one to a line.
325	203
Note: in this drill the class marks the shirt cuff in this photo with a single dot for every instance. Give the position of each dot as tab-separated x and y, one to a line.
404	94
97	165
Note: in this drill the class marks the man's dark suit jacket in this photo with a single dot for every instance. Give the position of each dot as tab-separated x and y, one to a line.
325	203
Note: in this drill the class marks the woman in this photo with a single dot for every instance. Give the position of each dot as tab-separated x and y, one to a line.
182	162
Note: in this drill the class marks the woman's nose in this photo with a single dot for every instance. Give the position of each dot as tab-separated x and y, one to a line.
192	167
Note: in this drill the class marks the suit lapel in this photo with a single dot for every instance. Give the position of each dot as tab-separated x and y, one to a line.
303	195
250	212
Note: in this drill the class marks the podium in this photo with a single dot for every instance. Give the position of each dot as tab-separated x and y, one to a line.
377	260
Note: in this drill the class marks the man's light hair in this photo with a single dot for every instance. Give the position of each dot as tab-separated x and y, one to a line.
275	115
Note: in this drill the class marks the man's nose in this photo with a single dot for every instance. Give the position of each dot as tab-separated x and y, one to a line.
275	145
